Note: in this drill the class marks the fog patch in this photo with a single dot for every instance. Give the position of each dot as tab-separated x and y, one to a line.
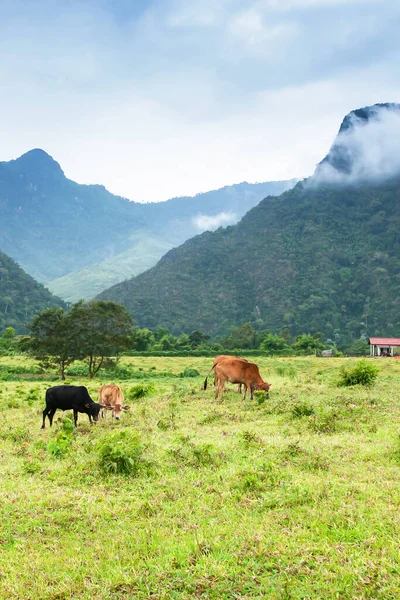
365	149
212	222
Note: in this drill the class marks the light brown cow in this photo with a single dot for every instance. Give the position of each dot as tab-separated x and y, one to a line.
112	398
237	371
220	357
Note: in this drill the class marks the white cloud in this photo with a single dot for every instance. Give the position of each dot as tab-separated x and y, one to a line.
250	27
212	222
189	95
371	149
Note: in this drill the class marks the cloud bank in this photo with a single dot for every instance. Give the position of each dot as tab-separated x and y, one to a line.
163	98
212	222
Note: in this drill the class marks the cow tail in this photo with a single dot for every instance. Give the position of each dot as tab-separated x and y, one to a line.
205	381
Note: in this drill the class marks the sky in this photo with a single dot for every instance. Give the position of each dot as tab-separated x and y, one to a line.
163	98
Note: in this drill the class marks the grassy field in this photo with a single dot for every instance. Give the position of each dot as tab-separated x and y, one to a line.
296	497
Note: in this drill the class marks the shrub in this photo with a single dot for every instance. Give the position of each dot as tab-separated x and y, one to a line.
363	373
302	410
189	373
62	442
140	391
260	396
121	452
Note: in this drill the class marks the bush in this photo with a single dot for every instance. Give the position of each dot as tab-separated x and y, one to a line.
362	374
140	391
62	442
260	396
121	452
302	410
189	373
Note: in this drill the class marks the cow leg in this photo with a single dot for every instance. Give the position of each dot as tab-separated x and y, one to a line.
45	413
51	415
239	388
216	392
245	392
75	417
219	390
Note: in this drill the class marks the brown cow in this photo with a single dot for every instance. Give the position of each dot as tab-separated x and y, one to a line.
220	357
112	398
237	371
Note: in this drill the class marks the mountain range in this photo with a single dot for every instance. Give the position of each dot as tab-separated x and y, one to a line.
81	239
322	257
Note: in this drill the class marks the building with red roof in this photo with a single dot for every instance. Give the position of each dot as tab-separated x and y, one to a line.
383	346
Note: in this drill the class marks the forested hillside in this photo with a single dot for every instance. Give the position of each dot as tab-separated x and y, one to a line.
20	296
313	260
322	257
63	228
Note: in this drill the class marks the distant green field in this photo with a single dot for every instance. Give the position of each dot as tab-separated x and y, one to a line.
297	497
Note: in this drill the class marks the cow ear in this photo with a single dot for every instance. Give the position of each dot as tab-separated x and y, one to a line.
126	407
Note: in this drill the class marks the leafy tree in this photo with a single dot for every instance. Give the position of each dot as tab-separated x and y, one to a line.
53	339
273	344
198	338
101	329
242	337
308	344
9	333
160	333
358	348
143	339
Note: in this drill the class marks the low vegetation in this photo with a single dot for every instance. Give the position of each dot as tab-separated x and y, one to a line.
294	495
364	373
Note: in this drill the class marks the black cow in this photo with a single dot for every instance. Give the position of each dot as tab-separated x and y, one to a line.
70	397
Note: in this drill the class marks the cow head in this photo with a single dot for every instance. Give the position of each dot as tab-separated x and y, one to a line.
118	408
94	410
264	386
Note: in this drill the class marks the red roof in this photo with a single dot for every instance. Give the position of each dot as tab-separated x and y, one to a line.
385	341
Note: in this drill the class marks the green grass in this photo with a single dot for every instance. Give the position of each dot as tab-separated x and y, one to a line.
297	497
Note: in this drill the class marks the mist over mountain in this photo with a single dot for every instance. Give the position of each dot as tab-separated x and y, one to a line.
365	149
322	257
79	239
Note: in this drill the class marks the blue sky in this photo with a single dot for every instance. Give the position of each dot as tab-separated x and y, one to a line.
162	98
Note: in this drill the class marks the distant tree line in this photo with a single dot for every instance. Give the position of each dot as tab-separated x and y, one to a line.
98	332
245	338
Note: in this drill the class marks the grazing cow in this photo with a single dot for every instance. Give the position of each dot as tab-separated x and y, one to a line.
237	371
70	397
112	398
220	357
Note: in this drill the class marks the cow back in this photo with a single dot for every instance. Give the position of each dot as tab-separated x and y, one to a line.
66	397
